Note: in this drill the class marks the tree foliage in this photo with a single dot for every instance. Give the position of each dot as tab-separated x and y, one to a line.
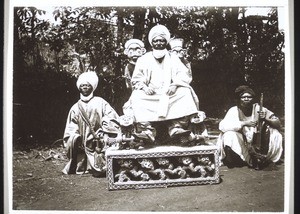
226	49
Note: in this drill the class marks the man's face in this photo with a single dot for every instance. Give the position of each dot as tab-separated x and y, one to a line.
246	99
85	89
159	43
134	51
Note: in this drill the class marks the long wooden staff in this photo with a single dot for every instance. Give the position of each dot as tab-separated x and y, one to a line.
258	138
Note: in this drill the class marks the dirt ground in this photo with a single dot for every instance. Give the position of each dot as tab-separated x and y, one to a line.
38	184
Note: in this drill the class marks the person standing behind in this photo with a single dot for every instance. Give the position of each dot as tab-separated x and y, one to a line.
84	120
238	128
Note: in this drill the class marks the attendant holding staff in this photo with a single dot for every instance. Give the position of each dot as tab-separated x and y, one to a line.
238	133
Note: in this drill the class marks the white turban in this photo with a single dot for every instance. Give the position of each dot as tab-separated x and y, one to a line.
88	77
159	30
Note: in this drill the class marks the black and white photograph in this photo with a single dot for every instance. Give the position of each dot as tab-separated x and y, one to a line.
156	107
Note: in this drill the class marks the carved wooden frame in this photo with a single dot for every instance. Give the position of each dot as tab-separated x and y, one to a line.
161	151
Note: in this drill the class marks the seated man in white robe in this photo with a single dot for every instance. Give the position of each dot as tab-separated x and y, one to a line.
239	128
161	86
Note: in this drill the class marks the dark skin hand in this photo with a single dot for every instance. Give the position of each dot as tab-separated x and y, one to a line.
273	121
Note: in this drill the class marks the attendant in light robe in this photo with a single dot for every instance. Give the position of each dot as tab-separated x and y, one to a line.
161	86
78	135
238	128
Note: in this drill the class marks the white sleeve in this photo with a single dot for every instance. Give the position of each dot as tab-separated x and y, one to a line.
231	121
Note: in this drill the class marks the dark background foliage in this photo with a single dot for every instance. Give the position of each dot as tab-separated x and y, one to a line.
226	49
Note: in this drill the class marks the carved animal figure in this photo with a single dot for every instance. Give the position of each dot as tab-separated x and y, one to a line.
149	172
189	167
128	171
206	166
166	168
145	132
198	128
131	139
126	123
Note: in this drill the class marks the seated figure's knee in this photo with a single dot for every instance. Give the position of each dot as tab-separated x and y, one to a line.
231	138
